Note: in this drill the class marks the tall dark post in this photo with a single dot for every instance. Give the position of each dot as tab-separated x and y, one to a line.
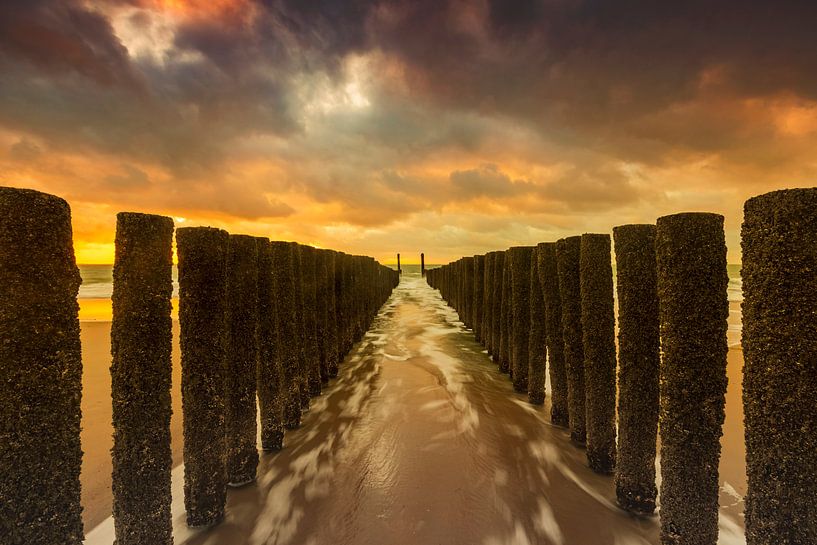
520	280
422	264
549	283
40	372
779	238
638	363
311	351
202	303
487	301
537	343
479	277
242	359
288	326
331	340
271	381
300	319
399	270
140	379
567	264
693	309
506	335
496	311
598	332
468	292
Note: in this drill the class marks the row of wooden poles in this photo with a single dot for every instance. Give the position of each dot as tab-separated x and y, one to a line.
258	319
551	307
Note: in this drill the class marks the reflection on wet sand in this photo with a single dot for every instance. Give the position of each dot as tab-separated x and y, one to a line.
421	440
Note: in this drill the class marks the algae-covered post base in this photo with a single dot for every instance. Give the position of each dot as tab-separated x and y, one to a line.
241	359
567	263
40	372
537	344
202	255
549	283
779	238
271	383
141	344
638	359
693	309
598	334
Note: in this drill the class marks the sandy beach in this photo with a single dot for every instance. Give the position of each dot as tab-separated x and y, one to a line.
420	440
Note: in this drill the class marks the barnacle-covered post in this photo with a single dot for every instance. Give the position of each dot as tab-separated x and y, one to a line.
309	271
140	379
487	300
520	310
779	238
537	343
638	363
271	383
202	304
497	305
40	371
288	326
598	331
506	323
479	277
693	309
549	283
301	329
567	264
242	359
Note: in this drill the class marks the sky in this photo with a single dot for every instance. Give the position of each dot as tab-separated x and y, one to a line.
451	127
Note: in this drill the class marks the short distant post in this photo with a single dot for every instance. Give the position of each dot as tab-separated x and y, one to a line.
693	309
780	374
140	379
549	283
422	264
567	263
202	255
242	359
537	344
520	308
270	380
638	360
40	372
598	330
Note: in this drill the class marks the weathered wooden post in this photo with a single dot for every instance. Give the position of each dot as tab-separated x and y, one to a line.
40	372
638	363
468	292
779	238
309	271
271	383
322	301
506	335
549	283
399	270
242	359
422	264
693	309
202	255
479	277
537	343
300	319
288	348
598	333
141	344
497	307
567	264
520	309
487	300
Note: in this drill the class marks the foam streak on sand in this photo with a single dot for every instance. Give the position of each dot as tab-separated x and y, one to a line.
422	440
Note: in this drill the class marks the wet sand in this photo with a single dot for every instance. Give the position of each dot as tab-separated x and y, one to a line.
421	440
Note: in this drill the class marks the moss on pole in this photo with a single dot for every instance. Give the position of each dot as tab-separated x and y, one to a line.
567	264
141	344
271	382
779	238
242	359
40	372
312	355
506	338
479	293
520	309
487	301
549	283
202	255
537	343
496	311
638	365
693	309
289	338
598	334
